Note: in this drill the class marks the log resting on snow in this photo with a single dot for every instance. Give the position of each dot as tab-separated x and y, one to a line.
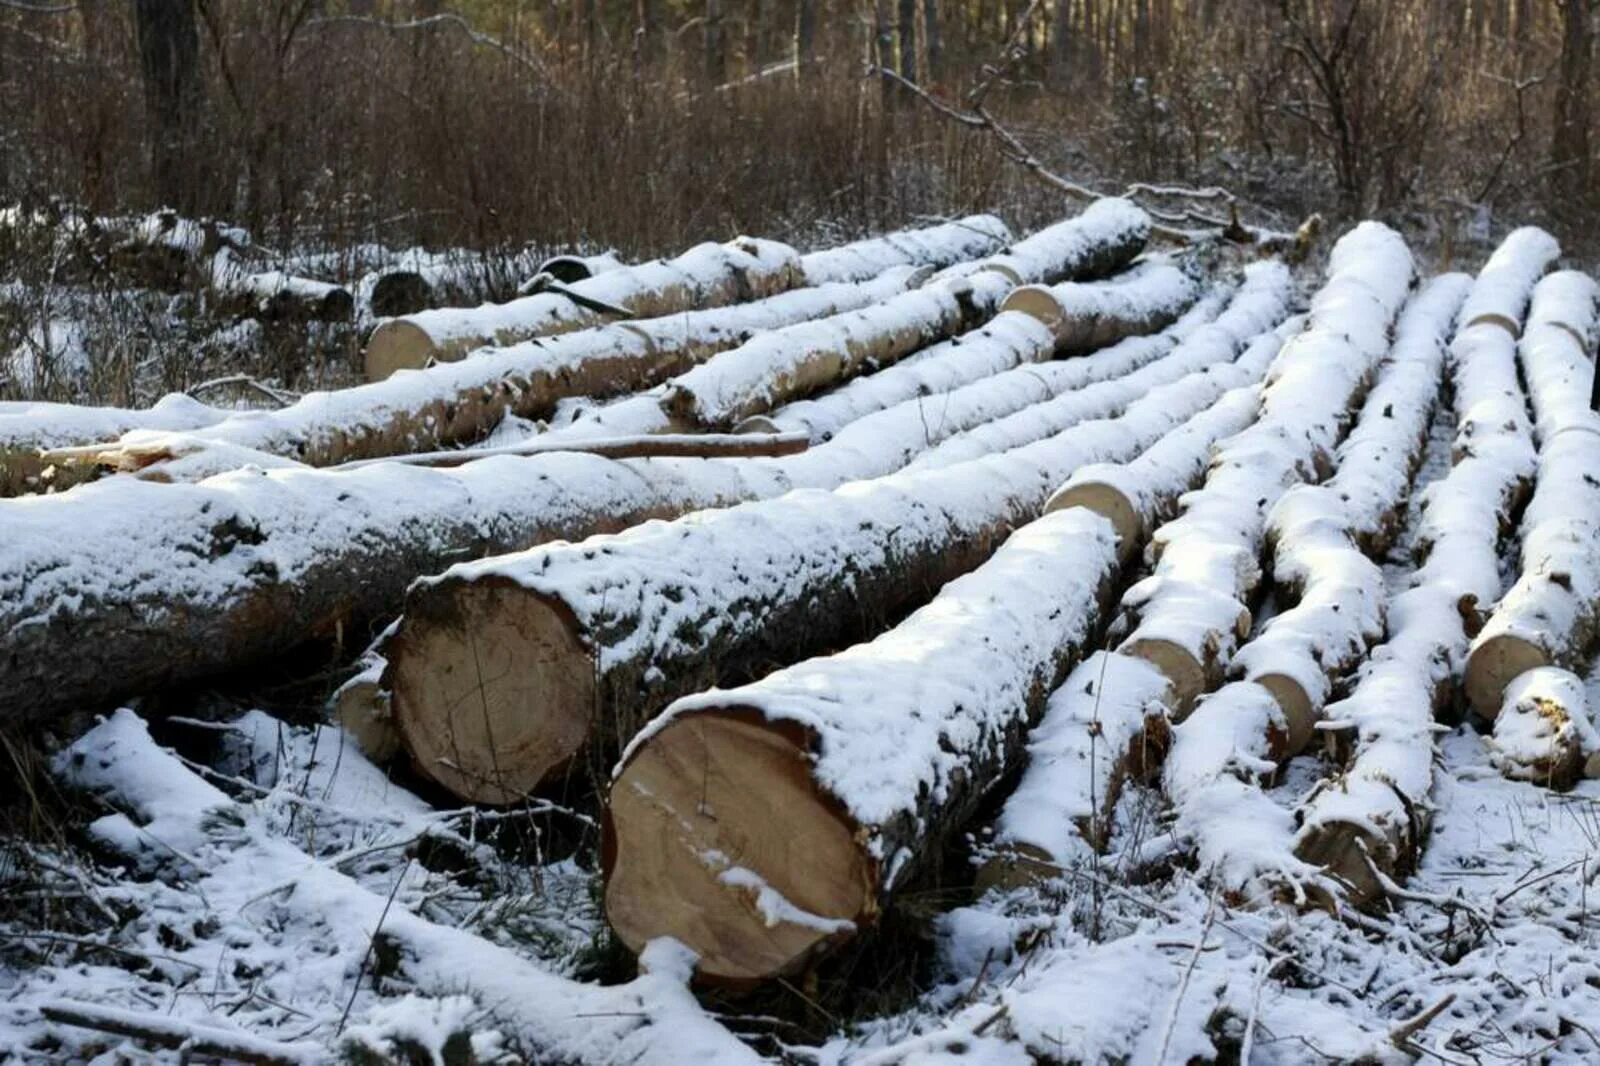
1544	732
766	824
417	280
1551	615
1191	613
768	372
1375	814
569	645
707	275
276	296
143	585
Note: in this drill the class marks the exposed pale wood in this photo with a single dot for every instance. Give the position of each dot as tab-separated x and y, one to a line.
511	668
718	792
1493	664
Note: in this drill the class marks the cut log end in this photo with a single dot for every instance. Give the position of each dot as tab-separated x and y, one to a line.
1492	666
1185	673
1037	302
400	292
398	345
492	692
718	836
1298	711
1342	849
1110	503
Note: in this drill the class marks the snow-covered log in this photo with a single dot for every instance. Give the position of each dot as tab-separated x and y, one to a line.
939	370
140	584
770	371
1083	317
765	824
1191	613
1544	732
275	295
1500	294
27	429
1375	814
1106	236
707	275
571	644
456	403
1259	303
958	241
1551	615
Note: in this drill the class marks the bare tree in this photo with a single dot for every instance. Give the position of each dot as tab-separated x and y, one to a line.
169	56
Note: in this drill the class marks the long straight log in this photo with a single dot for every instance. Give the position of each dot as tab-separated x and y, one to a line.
123	585
1551	615
764	825
28	429
1374	816
569	645
768	371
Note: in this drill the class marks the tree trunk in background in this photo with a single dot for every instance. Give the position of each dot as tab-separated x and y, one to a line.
716	50
935	39
1569	148
648	15
169	56
883	46
1061	41
756	35
805	36
908	39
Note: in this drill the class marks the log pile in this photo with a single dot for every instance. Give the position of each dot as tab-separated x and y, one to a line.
640	618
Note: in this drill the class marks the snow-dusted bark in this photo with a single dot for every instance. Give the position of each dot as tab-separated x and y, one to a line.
771	371
417	280
938	246
1375	814
1500	294
569	644
1083	317
707	275
1544	732
1551	615
455	403
1191	613
874	757
1106	235
1108	721
945	367
1258	304
276	295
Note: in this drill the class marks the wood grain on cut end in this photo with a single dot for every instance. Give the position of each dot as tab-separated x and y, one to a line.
1038	302
1492	666
1297	709
398	345
1185	673
1110	503
492	692
717	836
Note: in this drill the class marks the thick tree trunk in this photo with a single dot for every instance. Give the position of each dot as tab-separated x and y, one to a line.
716	45
1569	147
664	611
764	825
908	39
805	38
934	35
169	55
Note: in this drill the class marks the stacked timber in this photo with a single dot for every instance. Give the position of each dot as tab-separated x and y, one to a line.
708	275
1551	615
1364	826
575	645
